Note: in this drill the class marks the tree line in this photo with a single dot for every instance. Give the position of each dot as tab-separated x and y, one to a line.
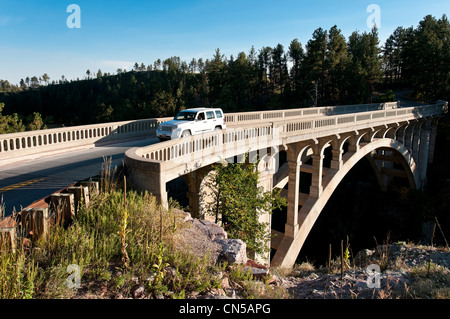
328	70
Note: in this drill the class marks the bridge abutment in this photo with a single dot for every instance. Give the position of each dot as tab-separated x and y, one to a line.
146	175
291	226
198	193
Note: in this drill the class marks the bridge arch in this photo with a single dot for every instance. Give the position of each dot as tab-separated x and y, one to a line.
290	247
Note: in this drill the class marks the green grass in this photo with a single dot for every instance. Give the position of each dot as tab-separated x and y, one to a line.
95	243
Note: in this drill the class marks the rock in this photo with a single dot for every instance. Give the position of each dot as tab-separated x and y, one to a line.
103	290
151	278
258	271
195	239
234	250
236	286
217	292
170	272
313	276
139	292
274	280
210	229
159	296
187	217
362	257
193	295
225	284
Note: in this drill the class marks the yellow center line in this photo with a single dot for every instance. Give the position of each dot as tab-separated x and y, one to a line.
22	184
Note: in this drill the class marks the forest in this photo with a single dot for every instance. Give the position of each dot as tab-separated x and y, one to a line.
328	70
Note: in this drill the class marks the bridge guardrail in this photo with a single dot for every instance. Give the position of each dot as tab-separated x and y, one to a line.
279	115
34	142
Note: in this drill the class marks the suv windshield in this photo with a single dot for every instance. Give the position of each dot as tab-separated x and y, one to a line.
185	116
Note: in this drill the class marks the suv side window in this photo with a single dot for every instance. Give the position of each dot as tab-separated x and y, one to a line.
201	116
218	114
210	115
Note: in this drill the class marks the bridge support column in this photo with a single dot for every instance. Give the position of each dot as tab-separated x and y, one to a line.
400	132
432	141
291	227
266	182
317	172
353	144
387	179
424	154
336	160
194	203
408	137
417	142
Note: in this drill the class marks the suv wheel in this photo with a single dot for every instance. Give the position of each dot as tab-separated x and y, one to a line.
186	134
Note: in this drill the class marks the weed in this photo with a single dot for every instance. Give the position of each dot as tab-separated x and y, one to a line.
159	265
123	231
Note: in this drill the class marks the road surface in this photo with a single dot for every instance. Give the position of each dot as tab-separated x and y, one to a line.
22	183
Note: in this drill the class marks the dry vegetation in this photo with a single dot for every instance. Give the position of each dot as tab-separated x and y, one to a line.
124	245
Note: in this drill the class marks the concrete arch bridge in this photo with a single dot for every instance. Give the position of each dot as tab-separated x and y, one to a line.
324	142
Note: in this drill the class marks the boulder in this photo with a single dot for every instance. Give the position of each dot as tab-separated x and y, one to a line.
234	250
210	229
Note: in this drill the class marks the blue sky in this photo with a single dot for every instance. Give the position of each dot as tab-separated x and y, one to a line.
35	38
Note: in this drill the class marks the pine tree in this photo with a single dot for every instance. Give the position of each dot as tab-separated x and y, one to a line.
296	56
426	58
35	122
335	66
314	63
364	68
393	56
278	69
45	78
10	123
216	71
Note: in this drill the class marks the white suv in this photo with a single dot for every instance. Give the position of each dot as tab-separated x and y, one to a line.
190	122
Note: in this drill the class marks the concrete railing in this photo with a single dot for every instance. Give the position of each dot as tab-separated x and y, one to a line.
281	115
59	139
35	142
